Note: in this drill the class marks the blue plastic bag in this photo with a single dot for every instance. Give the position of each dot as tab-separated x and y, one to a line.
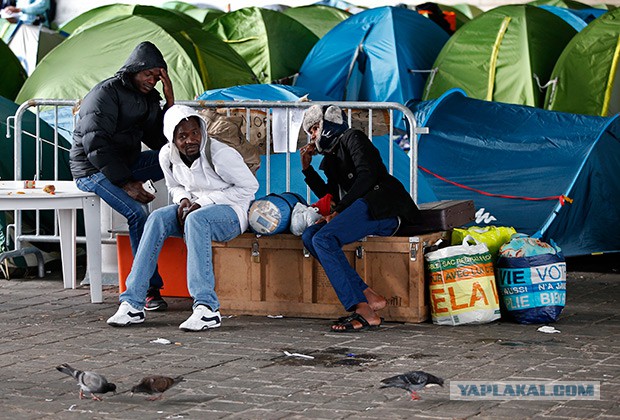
531	280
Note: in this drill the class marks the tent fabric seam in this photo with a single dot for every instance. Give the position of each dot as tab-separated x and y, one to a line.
494	54
556	209
610	80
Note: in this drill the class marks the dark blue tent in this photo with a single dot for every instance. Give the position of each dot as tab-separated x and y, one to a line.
376	55
518	164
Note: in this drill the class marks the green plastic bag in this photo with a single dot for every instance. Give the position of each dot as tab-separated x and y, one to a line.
492	236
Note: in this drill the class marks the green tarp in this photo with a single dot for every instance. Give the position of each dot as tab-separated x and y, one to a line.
197	61
274	45
587	73
500	55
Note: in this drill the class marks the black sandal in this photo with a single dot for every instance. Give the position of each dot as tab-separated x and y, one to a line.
348	325
343	318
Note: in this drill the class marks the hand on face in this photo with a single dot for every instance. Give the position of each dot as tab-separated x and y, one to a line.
306	154
167	85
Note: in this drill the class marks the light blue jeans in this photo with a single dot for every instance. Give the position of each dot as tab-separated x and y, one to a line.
146	167
211	223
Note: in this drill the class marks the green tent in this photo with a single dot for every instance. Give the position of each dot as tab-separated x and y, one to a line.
587	74
502	55
318	18
102	14
273	44
466	9
197	60
12	74
202	15
567	4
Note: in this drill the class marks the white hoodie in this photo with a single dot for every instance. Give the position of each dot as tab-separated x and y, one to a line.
231	183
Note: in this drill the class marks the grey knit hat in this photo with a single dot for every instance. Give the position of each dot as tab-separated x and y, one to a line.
314	115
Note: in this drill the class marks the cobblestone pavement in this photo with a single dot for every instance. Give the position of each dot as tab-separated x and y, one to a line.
240	371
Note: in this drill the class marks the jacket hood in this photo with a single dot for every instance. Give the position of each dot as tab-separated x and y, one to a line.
177	113
145	56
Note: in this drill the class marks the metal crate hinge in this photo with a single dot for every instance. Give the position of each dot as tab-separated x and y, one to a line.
414	246
255	252
359	252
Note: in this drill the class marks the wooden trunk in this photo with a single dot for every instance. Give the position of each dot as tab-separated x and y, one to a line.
274	275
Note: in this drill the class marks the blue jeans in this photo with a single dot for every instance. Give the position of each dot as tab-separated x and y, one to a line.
325	241
136	213
211	223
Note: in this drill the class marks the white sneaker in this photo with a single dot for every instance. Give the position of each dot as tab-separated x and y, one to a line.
126	315
202	319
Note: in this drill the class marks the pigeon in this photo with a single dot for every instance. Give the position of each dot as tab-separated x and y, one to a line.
156	384
412	381
88	381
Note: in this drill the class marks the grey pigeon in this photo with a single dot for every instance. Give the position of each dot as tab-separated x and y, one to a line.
88	381
156	384
412	381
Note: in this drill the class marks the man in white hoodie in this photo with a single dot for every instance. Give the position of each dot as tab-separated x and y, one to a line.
211	202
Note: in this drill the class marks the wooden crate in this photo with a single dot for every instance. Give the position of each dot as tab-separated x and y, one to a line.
274	275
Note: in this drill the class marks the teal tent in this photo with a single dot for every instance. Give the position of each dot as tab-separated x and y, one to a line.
29	126
587	75
273	44
502	55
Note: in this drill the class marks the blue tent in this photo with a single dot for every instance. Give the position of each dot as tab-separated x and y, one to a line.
535	156
262	92
375	55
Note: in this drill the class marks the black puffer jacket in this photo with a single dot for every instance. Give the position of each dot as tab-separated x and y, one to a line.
355	170
115	118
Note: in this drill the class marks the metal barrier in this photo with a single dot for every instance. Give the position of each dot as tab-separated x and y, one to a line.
266	109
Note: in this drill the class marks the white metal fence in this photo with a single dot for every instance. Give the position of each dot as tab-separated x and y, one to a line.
376	119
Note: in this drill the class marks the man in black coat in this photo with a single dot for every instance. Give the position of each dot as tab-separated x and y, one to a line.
368	201
116	117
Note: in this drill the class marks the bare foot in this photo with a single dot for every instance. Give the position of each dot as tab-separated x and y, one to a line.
375	300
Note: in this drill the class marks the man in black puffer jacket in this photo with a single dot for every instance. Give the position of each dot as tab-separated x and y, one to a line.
116	117
368	201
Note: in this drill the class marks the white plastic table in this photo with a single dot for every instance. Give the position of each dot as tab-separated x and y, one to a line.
67	200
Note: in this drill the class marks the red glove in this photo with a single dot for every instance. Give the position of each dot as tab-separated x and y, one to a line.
324	205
